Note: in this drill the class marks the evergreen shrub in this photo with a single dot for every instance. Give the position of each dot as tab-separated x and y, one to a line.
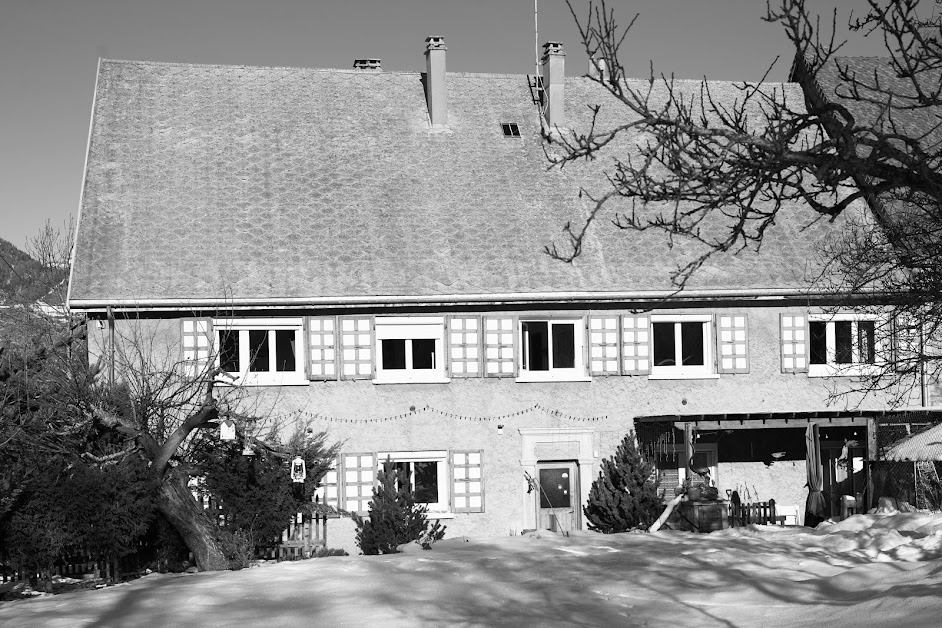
624	496
394	518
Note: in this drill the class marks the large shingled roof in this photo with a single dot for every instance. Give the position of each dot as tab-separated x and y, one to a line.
259	184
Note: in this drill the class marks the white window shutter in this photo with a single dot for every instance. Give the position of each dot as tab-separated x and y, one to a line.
636	344
603	344
328	491
322	343
467	472
197	344
732	344
499	356
356	347
464	346
359	478
794	328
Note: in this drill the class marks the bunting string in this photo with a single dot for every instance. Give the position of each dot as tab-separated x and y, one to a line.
426	409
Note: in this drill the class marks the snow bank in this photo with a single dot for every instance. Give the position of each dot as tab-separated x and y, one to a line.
868	570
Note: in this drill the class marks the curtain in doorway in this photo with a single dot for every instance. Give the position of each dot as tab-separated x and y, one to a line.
815	506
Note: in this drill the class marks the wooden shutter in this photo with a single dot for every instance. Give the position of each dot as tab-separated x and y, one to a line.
322	340
794	343
197	344
499	359
464	346
359	477
636	344
732	344
356	347
467	472
905	340
603	345
328	491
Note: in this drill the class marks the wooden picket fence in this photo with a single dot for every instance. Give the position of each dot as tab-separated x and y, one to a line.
71	567
754	512
300	539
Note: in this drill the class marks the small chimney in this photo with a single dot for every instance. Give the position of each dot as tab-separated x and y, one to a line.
435	91
368	64
598	70
554	82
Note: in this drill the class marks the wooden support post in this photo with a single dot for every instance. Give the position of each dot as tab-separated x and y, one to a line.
688	449
872	439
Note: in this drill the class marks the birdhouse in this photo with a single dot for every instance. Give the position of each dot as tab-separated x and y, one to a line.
298	469
227	430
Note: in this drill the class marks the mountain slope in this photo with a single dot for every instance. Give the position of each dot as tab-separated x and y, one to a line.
22	279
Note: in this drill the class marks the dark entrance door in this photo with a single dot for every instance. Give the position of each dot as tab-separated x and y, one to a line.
558	502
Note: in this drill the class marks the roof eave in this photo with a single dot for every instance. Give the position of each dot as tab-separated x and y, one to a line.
483	299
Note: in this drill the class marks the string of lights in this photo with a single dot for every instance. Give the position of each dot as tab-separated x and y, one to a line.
317	416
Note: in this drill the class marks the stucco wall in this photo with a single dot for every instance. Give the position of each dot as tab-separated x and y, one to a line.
783	481
465	414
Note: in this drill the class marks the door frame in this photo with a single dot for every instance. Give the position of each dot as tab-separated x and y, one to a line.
538	444
575	494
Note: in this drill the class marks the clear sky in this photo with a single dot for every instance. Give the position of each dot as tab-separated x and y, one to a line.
49	51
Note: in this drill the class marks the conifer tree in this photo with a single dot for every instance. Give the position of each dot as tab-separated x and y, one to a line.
394	518
624	496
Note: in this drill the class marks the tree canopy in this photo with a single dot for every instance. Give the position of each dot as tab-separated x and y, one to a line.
721	172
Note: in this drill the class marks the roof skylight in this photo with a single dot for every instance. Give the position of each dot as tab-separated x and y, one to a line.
510	129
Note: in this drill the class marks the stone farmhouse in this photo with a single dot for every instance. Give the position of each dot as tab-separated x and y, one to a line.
364	251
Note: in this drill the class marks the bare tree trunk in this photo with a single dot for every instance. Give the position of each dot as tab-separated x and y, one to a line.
667	513
177	504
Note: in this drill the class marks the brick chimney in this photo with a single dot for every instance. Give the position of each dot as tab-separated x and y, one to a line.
435	91
368	64
554	82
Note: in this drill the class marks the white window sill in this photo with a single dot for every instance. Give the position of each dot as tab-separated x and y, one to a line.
683	375
440	515
847	370
264	379
528	377
386	379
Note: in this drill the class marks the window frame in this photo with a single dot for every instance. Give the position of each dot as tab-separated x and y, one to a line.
578	372
707	370
441	509
415	328
854	368
271	377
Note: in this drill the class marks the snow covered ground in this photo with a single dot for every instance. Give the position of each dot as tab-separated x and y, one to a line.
869	570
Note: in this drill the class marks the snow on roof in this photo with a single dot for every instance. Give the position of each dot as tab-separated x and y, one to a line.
921	447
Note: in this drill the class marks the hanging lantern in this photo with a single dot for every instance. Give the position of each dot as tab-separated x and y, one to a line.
298	470
227	430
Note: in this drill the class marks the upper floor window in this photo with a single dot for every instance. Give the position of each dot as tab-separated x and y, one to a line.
842	344
261	351
410	349
681	346
552	350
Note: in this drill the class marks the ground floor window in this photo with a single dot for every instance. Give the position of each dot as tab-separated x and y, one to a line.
446	482
423	473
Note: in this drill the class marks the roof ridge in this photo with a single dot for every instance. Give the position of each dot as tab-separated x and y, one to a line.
179	64
457	75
